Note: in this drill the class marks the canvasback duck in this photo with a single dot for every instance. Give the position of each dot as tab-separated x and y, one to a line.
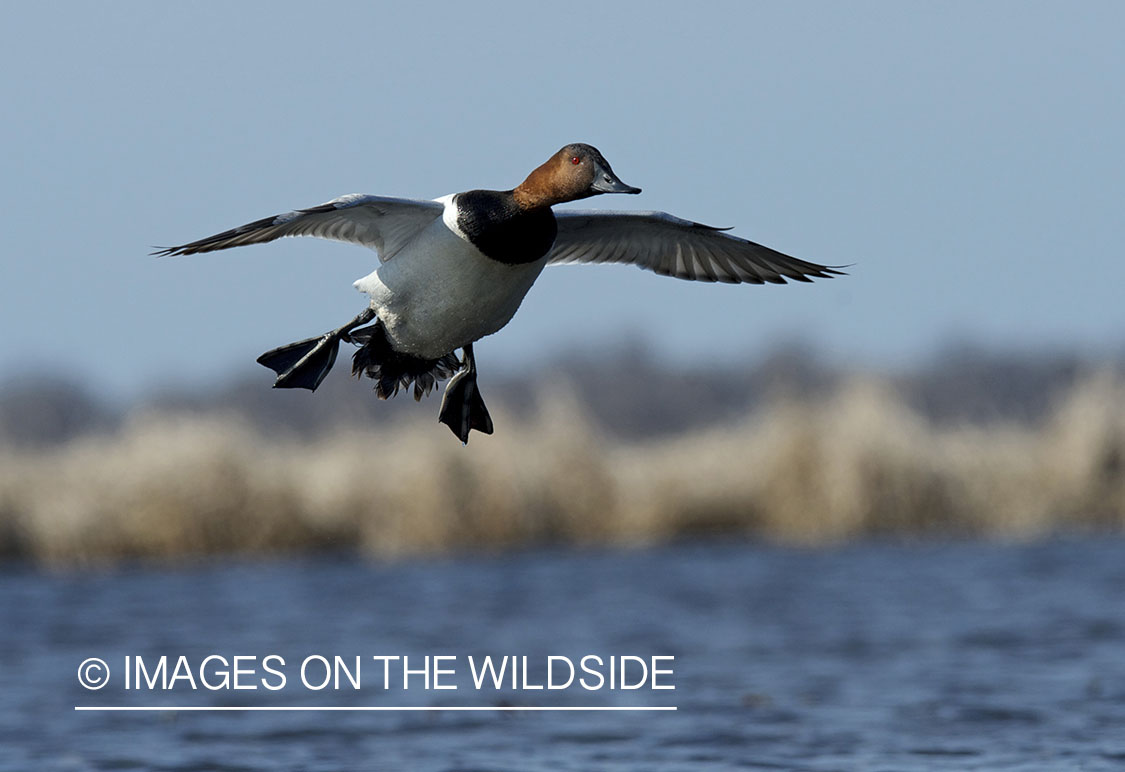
456	269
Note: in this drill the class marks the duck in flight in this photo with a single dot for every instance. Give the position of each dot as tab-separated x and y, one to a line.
456	269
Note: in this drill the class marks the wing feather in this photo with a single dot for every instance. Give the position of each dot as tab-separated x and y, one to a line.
377	222
672	246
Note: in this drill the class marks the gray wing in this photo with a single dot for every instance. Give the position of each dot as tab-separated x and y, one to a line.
381	223
672	246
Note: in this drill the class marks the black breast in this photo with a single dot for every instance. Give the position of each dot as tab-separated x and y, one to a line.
501	230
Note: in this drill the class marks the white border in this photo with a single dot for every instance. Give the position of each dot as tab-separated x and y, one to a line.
357	708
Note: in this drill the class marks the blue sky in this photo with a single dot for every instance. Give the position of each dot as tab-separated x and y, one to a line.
966	157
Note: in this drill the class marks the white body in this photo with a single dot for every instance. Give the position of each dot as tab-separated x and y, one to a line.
440	293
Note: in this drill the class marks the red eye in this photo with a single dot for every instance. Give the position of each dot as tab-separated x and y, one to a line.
576	160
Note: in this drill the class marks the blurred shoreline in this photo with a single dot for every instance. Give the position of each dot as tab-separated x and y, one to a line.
613	449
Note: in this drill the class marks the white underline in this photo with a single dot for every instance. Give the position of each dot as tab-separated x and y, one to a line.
205	708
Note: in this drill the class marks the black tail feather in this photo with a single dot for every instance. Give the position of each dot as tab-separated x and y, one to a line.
392	370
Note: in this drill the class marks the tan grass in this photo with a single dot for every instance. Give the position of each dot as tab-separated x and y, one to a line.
859	463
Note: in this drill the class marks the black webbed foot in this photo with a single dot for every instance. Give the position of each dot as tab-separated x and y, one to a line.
303	365
462	408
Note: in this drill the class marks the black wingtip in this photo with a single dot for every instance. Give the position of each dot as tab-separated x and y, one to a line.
705	227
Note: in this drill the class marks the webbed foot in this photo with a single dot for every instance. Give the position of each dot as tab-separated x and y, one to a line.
303	365
462	408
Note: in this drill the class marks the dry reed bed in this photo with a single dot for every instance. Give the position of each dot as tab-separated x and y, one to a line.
856	464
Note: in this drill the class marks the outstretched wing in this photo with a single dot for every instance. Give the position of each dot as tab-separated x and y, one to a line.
672	246
381	223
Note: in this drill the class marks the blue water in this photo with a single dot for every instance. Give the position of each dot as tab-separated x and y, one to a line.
873	657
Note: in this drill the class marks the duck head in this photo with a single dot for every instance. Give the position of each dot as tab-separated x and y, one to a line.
576	171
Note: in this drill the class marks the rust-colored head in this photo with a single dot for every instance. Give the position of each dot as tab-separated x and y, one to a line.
576	171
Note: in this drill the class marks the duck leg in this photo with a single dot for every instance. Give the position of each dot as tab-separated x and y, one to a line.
462	408
303	365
